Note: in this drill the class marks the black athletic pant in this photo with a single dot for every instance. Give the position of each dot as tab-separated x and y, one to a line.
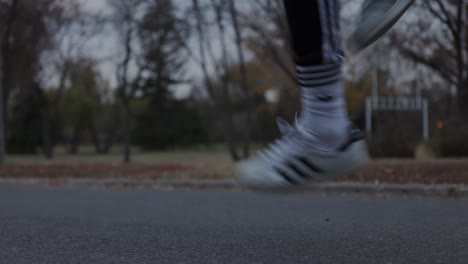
315	31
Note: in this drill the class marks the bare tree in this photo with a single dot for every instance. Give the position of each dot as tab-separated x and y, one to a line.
163	40
27	33
269	41
250	108
268	22
71	33
219	23
126	19
206	59
444	45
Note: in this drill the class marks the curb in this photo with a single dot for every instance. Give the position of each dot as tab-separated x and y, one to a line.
440	190
454	191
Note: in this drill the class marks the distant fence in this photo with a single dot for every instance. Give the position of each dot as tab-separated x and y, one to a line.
398	104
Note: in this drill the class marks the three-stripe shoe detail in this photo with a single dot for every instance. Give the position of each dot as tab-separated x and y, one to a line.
298	169
286	176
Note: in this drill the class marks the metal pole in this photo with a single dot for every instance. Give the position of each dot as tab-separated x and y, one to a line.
425	120
369	116
463	35
418	83
2	115
375	82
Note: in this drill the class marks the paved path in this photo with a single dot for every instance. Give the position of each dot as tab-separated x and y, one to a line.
41	225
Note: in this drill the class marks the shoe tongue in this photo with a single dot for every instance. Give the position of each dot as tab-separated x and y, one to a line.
284	127
303	131
287	129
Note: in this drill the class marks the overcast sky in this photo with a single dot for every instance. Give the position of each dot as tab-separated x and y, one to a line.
105	45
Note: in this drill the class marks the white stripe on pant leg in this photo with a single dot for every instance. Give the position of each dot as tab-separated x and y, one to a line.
334	20
335	25
327	50
331	43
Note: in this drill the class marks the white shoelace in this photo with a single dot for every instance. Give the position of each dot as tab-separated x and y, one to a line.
291	142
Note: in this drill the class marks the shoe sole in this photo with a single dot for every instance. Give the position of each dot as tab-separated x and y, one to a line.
359	157
358	42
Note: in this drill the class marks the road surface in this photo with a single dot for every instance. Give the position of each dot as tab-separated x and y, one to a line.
59	225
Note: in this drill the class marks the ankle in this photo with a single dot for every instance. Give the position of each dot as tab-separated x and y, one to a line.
329	134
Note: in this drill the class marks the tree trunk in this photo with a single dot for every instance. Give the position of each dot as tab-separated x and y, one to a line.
230	138
94	136
110	132
222	102
109	140
462	100
244	82
75	140
127	134
2	115
46	121
4	48
47	145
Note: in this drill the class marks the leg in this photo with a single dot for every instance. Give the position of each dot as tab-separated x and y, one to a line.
316	44
321	145
314	30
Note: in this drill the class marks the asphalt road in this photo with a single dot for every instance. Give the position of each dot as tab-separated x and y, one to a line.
42	225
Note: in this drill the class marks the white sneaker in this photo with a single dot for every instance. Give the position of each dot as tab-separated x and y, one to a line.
292	160
377	17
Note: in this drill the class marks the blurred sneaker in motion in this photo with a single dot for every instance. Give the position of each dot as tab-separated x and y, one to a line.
377	17
294	160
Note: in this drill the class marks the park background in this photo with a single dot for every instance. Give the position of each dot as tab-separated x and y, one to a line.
183	89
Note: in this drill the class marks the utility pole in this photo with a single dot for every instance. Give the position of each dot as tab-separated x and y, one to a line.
2	114
4	39
464	29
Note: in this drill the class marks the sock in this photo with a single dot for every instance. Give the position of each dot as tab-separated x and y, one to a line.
323	112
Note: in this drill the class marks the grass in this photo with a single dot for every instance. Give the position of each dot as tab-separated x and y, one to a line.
212	163
206	161
88	155
215	163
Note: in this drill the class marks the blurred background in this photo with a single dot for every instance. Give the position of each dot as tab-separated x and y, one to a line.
198	84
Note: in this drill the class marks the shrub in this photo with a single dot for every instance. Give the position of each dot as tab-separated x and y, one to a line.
391	146
451	140
23	134
395	135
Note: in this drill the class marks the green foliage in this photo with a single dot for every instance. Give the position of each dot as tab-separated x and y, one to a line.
24	126
167	123
391	146
163	39
83	98
84	106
